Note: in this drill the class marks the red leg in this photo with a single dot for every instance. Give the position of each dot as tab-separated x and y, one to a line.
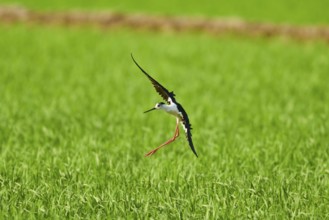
177	129
167	142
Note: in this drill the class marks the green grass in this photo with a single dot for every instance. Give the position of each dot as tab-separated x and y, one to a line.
279	11
73	135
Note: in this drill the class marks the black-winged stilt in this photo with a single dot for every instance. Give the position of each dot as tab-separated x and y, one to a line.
173	108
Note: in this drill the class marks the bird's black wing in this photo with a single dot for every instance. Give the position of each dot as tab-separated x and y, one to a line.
163	92
187	127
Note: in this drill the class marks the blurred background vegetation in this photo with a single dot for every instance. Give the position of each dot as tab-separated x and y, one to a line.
277	11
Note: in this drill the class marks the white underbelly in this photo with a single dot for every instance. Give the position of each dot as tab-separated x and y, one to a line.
172	109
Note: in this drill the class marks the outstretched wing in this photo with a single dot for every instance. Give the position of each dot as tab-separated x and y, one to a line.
187	127
163	92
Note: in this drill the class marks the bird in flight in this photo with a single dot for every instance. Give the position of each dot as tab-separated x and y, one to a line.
172	107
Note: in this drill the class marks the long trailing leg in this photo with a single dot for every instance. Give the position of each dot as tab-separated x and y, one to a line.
167	142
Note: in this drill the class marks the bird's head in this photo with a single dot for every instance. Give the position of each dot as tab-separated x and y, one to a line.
157	106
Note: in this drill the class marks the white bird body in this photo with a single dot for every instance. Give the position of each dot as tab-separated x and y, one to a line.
171	109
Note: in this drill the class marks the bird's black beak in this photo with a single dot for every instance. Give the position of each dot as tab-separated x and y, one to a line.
150	110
